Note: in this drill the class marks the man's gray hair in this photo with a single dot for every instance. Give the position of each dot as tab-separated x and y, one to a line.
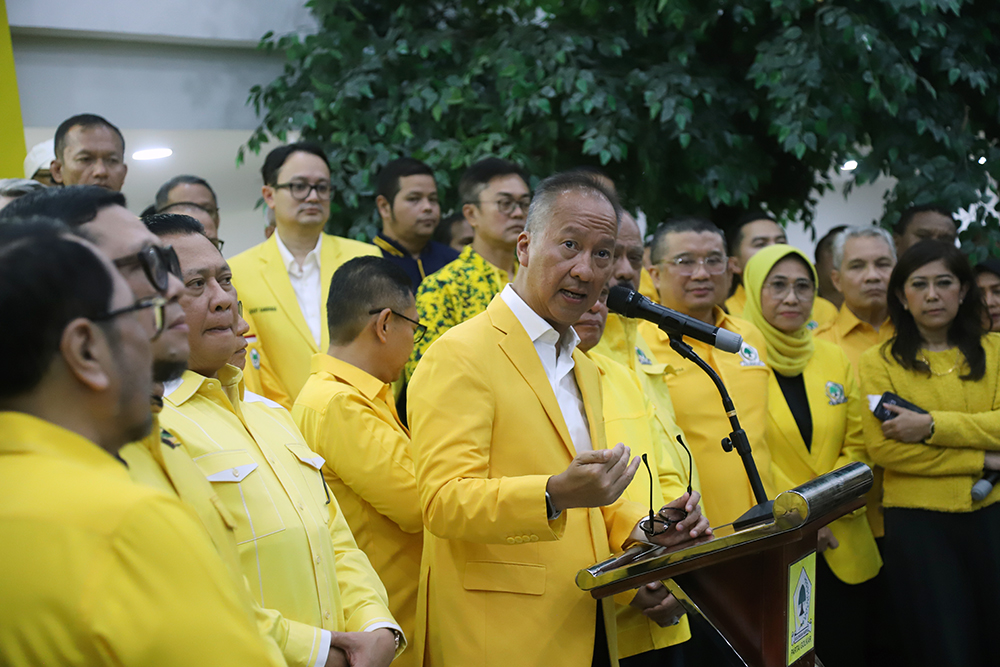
858	232
18	187
545	195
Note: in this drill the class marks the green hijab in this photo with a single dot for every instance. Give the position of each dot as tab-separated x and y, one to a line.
787	353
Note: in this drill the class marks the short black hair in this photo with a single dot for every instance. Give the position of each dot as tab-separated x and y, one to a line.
173	224
907	216
276	158
83	120
48	280
73	205
551	187
827	239
390	174
752	215
163	194
595	172
360	285
443	232
678	225
988	265
477	177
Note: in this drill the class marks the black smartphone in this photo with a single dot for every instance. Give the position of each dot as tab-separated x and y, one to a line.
889	398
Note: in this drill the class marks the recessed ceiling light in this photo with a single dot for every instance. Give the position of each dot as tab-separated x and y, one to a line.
152	154
850	165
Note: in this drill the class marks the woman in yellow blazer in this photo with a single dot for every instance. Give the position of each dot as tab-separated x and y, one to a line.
813	427
942	547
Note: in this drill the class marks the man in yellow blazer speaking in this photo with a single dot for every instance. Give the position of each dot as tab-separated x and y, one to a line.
517	488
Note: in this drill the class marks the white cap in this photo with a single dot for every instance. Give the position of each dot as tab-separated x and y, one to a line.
40	157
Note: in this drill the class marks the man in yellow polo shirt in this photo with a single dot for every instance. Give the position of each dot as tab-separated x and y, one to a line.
347	415
98	570
284	279
296	548
689	262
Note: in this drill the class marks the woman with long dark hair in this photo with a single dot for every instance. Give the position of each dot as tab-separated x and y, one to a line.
942	547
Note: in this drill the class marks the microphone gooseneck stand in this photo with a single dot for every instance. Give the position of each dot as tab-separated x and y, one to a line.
737	438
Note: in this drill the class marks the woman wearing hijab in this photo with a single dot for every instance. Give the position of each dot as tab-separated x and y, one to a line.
814	427
942	547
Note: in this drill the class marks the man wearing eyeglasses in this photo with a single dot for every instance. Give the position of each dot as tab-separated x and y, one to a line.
97	568
193	196
689	264
495	199
284	281
346	414
295	546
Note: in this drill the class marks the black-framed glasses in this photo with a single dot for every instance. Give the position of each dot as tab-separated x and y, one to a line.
418	333
157	262
218	243
660	522
300	189
157	303
239	308
506	205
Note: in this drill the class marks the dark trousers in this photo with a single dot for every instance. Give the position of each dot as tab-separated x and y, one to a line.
840	612
602	656
944	579
671	656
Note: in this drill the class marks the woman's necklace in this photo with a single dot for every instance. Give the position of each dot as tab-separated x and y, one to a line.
958	360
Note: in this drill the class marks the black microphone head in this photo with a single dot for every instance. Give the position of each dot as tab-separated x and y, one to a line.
621	300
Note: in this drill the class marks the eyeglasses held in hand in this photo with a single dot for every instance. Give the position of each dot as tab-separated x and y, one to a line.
418	332
661	522
157	262
157	303
300	190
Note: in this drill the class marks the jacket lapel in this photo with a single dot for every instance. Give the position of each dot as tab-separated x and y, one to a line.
276	277
329	261
521	352
788	427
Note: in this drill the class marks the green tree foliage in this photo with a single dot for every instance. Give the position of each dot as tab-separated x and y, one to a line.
692	106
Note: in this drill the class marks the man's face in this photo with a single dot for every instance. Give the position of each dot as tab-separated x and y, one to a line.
568	262
415	211
204	209
989	283
590	326
119	234
698	293
461	234
755	236
199	214
863	277
209	302
399	343
93	156
488	220
824	266
926	225
628	254
314	210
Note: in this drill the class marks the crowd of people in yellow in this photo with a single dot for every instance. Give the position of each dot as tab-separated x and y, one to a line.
328	452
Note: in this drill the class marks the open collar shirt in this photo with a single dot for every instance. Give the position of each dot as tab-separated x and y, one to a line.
305	279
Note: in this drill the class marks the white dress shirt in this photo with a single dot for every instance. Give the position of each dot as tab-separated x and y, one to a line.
305	279
556	355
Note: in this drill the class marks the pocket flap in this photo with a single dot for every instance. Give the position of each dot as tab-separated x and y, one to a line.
524	578
306	455
228	466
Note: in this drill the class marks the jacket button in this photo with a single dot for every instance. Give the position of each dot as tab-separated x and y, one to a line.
510	540
317	560
534	538
236	472
327	616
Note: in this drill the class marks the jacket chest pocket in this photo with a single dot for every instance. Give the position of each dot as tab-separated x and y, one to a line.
241	487
312	473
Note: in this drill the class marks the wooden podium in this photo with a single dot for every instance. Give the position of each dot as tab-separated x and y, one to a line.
755	587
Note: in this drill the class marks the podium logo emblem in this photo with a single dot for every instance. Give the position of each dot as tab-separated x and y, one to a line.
801	607
835	392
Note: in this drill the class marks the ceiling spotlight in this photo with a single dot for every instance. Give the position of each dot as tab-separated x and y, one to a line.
982	160
850	165
152	154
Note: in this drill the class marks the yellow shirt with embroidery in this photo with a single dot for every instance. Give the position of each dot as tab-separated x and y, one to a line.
725	487
349	418
99	570
296	548
855	337
457	292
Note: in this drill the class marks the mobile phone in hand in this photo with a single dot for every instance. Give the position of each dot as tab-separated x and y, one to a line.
889	398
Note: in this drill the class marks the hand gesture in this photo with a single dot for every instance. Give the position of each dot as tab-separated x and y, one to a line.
907	425
656	603
594	479
366	649
825	540
693	527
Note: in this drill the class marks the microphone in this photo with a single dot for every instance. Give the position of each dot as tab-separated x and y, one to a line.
630	303
982	488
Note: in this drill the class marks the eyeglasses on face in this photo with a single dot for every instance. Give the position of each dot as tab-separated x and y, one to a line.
300	189
157	303
779	289
418	332
686	266
660	522
506	205
218	243
157	262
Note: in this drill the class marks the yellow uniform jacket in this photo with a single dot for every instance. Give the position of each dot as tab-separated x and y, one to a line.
837	439
630	417
855	337
99	570
296	549
725	488
349	418
277	323
497	577
938	473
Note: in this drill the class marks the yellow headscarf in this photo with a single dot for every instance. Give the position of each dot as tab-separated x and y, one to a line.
787	353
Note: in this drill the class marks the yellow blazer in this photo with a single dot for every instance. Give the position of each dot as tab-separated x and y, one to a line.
497	577
837	439
282	334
